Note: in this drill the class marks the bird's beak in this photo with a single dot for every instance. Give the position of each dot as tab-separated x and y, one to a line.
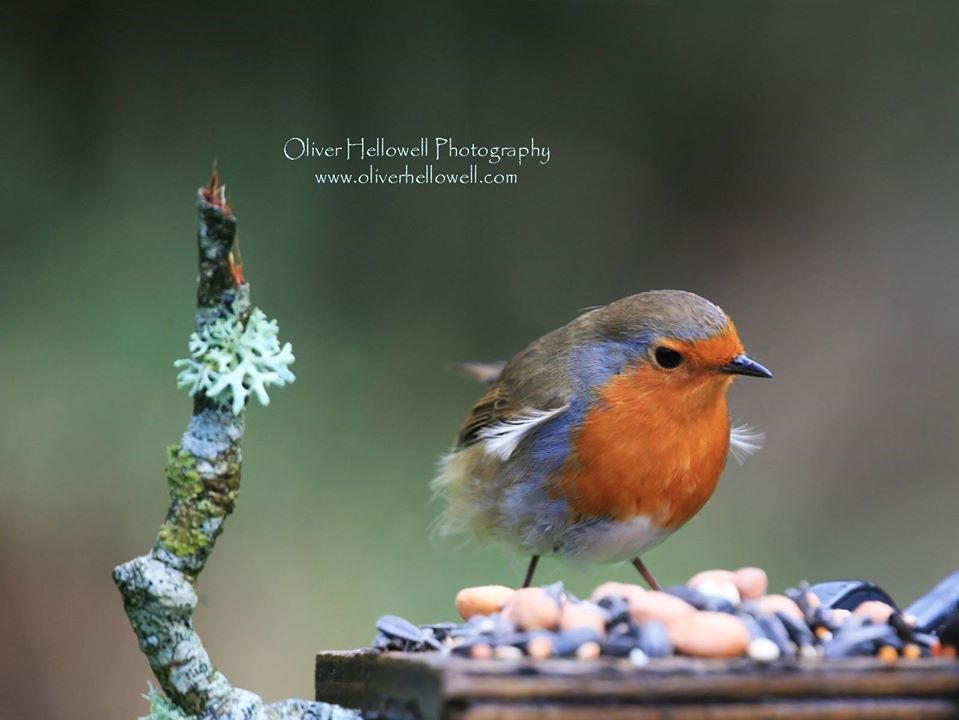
742	365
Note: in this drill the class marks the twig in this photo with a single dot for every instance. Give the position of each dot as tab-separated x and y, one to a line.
203	473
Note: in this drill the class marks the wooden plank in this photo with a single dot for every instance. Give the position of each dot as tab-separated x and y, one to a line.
394	685
681	677
433	686
820	710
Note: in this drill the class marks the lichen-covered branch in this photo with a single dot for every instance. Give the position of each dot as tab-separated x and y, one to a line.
234	353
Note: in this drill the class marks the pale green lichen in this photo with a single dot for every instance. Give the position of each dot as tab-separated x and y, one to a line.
163	709
229	362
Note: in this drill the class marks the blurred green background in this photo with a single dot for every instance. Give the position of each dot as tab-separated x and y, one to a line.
795	162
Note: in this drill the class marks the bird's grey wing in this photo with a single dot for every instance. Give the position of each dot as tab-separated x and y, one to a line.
532	388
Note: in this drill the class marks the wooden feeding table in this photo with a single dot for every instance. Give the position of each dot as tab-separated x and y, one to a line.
435	686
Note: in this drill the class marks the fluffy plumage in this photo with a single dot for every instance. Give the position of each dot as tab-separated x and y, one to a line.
586	445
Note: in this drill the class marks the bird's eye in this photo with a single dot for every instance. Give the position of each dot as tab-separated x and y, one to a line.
668	358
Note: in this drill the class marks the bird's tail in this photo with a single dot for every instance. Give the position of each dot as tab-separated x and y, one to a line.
484	372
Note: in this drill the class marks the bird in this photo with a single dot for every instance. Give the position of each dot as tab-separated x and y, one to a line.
603	437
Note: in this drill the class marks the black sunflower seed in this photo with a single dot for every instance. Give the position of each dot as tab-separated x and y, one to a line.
394	626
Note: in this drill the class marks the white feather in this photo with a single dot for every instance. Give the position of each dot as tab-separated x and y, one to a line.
744	441
501	439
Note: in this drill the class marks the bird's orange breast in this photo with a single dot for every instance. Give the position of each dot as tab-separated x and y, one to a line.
649	447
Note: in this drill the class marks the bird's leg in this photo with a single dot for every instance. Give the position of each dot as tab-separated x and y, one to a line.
530	570
647	575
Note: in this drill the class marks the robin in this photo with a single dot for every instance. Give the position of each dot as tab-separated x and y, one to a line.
603	437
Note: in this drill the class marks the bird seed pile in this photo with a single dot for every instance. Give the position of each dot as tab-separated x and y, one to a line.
717	614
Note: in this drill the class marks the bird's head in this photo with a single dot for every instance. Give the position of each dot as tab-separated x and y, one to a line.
675	339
